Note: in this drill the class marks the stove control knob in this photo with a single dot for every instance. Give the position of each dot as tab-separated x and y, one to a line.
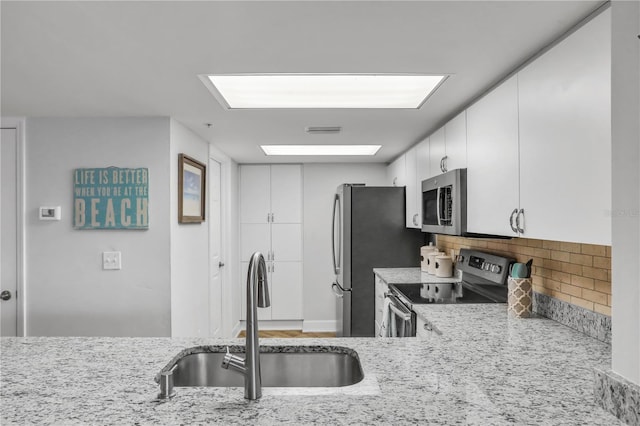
496	269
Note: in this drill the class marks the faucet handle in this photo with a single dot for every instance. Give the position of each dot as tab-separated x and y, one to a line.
233	361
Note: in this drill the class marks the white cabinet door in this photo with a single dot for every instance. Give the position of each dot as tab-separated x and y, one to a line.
456	142
411	210
423	171
263	313
286	291
565	138
255	189
286	242
396	172
437	151
492	161
254	237
286	193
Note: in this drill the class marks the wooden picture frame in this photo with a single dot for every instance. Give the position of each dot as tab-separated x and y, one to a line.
192	185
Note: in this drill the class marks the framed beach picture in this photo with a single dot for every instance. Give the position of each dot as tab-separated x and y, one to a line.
192	177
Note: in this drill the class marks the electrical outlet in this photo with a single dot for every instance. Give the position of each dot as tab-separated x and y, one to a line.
111	260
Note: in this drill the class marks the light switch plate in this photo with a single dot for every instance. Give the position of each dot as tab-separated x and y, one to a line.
111	260
50	213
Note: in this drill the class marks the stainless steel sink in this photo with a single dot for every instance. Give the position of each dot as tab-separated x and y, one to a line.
281	366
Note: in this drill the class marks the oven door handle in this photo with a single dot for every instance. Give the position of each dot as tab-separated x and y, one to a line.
398	308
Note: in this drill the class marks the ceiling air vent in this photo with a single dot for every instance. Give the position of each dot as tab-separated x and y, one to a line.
317	130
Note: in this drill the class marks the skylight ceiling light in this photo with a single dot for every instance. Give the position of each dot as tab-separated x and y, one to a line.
324	90
320	149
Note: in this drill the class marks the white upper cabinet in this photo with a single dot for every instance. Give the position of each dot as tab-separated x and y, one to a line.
412	219
397	172
455	132
437	152
255	194
492	163
271	193
286	193
565	138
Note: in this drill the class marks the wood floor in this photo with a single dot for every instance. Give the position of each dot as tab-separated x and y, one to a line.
288	334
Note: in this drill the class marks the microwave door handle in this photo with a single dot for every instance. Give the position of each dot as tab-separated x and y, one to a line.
438	206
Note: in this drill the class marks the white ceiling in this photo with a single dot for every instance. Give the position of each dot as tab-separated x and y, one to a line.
143	59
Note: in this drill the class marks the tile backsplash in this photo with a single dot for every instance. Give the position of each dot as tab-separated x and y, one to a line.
572	272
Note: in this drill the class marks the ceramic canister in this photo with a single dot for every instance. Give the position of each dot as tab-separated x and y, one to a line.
431	261
443	266
424	252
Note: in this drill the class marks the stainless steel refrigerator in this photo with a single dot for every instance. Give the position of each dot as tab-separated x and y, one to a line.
368	231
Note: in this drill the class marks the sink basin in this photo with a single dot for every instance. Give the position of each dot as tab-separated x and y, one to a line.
281	366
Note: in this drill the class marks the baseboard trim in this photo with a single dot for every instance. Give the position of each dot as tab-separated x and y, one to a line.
320	326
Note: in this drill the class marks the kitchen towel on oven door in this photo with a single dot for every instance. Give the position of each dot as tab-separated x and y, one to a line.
384	326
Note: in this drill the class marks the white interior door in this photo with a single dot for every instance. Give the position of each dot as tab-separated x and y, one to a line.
8	232
215	251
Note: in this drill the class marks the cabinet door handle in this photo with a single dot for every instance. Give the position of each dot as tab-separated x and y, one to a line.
415	219
273	255
443	164
520	228
395	179
273	217
513	228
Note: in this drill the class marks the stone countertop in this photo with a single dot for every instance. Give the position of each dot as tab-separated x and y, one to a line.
410	276
484	369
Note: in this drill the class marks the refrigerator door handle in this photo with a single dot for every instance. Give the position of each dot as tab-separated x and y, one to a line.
336	260
338	291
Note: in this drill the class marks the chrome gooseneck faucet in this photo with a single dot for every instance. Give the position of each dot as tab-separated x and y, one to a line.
257	296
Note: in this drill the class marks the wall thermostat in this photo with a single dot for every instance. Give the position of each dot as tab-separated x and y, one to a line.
50	213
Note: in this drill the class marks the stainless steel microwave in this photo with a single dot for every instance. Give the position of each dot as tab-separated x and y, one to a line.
444	203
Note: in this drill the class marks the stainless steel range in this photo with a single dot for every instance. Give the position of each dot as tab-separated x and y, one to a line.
484	280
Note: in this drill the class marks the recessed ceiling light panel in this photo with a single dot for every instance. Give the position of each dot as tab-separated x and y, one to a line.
320	149
242	91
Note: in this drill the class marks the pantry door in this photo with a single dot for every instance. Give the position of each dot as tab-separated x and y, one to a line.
9	232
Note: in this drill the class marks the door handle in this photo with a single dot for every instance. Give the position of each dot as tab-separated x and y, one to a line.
337	290
220	264
513	228
443	164
520	228
5	295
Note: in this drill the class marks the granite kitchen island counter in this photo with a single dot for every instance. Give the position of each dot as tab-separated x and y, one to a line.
533	372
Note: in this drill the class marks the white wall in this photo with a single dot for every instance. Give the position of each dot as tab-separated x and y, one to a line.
67	292
189	246
626	190
320	183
